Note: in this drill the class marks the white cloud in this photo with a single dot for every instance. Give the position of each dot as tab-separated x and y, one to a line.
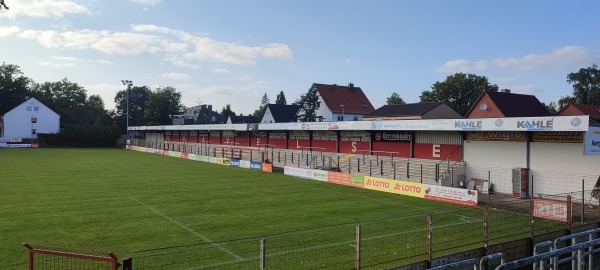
221	71
177	76
568	56
8	31
43	8
146	2
106	91
178	47
67	61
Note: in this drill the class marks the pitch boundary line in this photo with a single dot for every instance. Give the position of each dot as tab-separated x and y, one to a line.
183	226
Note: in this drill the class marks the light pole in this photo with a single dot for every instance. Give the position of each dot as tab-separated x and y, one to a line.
343	106
128	84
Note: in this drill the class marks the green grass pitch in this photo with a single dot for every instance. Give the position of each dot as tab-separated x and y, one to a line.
118	200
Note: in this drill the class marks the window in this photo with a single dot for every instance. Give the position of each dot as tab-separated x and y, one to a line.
28	108
355	118
34	131
36	108
364	105
340	118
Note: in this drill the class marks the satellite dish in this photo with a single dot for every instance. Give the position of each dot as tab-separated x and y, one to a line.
483	106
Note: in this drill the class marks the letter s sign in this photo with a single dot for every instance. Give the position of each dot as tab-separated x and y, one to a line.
353	147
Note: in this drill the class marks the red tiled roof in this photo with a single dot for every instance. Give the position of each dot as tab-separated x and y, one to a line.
587	109
516	105
352	97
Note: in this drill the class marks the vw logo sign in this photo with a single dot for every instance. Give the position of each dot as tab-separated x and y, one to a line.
575	122
499	122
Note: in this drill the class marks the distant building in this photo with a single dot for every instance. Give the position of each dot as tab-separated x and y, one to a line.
276	113
29	119
414	111
242	119
342	103
202	114
505	104
581	109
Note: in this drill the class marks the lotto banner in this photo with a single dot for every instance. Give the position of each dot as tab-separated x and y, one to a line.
394	186
451	195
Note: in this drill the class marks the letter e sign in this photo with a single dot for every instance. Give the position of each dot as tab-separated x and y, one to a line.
435	150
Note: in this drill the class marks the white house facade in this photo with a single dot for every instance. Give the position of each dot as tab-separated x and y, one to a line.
30	118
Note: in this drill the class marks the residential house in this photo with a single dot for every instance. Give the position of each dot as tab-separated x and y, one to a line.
29	119
202	114
276	113
414	111
506	104
581	109
342	103
242	119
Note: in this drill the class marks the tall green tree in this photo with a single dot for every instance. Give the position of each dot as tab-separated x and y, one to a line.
586	85
459	91
138	96
264	101
395	99
280	100
96	114
162	103
566	100
14	87
226	111
66	98
309	104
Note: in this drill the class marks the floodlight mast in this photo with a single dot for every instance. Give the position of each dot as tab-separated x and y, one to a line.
128	84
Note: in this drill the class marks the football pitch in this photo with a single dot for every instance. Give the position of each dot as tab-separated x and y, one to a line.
123	201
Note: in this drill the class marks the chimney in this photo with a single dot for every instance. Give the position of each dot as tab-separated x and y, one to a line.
505	91
350	85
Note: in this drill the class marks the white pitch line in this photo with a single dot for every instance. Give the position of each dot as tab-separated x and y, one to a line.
206	239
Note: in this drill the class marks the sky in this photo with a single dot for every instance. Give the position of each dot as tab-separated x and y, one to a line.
234	51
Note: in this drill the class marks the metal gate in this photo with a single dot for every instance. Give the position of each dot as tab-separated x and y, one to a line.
54	258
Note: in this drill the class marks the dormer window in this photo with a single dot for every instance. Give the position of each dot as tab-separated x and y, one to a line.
364	105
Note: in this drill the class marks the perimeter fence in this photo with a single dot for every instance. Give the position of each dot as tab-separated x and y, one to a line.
410	242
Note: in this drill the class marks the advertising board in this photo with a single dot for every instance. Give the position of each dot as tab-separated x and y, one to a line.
550	209
451	195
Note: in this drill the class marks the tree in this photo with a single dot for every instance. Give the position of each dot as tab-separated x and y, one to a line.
66	98
226	111
459	91
162	103
564	101
280	100
96	114
263	106
138	96
551	107
14	87
395	99
309	104
586	85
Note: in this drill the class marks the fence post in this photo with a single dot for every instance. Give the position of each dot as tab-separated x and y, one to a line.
485	227
263	253
370	167
381	167
357	247
358	164
284	158
394	164
29	255
582	200
349	165
306	160
407	169
421	173
489	197
299	159
531	220
128	264
429	240
292	157
569	214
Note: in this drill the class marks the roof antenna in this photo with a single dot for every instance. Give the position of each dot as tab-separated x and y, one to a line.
3	5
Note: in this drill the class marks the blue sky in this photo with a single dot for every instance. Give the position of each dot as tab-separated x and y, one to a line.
234	51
